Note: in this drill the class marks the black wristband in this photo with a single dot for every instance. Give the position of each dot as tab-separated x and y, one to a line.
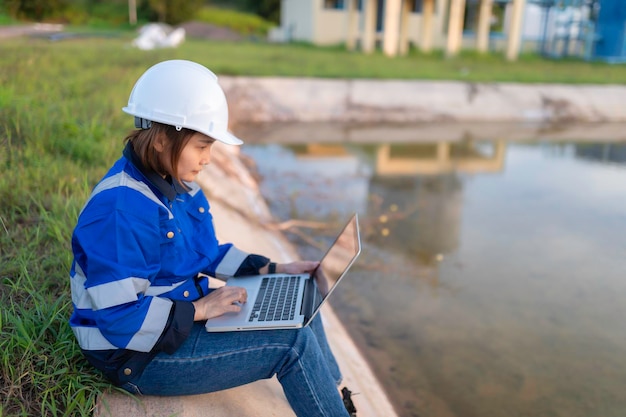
271	268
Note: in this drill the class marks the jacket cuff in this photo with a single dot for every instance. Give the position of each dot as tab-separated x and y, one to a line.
178	327
251	265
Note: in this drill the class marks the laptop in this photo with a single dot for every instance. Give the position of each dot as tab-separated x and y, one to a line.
284	301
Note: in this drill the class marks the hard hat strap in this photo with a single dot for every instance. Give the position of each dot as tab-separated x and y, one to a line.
142	123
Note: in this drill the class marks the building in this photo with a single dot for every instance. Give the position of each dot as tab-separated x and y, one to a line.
393	25
328	22
557	28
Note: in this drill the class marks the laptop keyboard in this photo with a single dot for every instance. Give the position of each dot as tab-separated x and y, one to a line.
276	299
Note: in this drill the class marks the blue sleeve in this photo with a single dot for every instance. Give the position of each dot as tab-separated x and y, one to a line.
119	254
232	262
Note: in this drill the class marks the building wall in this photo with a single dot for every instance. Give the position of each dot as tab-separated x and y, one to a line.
297	19
415	28
309	21
331	25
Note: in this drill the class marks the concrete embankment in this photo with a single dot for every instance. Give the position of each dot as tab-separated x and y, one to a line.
375	101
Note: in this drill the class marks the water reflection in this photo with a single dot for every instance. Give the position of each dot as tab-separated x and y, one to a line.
492	278
607	152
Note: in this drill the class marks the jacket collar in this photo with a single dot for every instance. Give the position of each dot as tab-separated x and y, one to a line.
168	186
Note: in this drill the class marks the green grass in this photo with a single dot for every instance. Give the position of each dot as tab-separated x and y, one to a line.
264	59
244	23
61	126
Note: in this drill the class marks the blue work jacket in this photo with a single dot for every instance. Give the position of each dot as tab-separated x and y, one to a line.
139	245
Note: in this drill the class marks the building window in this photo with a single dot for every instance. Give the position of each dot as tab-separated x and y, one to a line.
417	6
333	4
343	4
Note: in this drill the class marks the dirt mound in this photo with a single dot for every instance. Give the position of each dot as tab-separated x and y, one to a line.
202	30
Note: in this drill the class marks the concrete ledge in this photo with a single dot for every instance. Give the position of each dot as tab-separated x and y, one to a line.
370	101
242	217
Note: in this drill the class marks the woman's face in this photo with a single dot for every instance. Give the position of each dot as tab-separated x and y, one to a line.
194	155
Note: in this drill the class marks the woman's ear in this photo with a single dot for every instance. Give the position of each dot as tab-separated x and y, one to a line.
159	145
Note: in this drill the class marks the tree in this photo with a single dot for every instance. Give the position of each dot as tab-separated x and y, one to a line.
174	12
267	9
34	9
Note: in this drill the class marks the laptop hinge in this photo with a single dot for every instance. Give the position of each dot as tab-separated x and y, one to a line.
308	298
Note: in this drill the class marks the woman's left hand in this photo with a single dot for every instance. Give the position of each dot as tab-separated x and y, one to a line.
297	267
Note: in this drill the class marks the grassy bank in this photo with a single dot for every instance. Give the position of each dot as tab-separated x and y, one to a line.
253	58
61	126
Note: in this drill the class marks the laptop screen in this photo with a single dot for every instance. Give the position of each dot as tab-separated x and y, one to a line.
337	260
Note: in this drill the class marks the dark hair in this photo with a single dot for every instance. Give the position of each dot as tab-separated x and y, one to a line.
144	140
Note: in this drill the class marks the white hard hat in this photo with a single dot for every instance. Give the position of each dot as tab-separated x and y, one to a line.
182	94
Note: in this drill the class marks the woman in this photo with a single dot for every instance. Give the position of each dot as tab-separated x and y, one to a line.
141	241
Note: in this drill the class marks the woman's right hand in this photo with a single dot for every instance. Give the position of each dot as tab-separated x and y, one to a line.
220	301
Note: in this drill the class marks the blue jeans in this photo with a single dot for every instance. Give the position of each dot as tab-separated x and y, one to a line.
207	362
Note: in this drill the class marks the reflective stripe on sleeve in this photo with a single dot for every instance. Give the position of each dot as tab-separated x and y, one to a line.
153	325
80	297
90	338
116	292
230	263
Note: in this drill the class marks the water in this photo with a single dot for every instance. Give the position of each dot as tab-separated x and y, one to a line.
493	277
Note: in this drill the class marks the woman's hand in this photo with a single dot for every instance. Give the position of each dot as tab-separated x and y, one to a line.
297	267
220	301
